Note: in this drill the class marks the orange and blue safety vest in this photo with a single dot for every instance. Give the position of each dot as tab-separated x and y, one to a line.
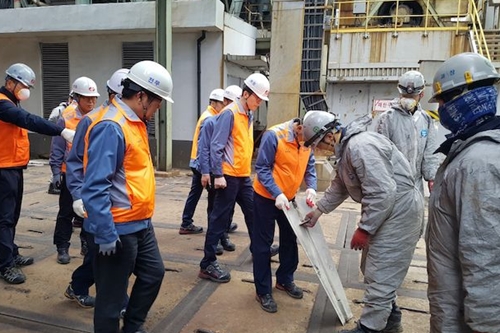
209	112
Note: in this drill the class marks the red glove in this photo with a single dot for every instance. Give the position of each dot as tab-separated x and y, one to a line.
430	184
360	239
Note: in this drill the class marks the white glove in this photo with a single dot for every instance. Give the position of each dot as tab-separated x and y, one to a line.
282	202
68	135
311	218
310	197
78	208
220	182
109	248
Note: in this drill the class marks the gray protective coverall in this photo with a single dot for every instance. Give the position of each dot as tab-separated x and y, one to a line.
415	136
375	173
463	238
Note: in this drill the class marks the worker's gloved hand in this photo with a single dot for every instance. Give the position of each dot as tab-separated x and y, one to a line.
282	202
220	182
205	180
430	184
310	197
78	208
68	135
109	248
56	181
360	239
311	218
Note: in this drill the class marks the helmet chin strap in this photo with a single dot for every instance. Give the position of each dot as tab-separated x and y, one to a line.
144	108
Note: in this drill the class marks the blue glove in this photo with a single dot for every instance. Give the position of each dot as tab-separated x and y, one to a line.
56	181
109	248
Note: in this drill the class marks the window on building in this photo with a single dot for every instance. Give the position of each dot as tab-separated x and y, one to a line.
132	53
55	75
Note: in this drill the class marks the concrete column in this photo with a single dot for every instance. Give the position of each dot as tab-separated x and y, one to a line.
286	60
164	57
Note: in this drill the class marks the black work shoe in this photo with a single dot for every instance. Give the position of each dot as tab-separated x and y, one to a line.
53	190
359	329
63	257
215	273
219	250
20	260
13	275
275	249
232	227
227	244
267	303
394	321
85	301
190	229
291	289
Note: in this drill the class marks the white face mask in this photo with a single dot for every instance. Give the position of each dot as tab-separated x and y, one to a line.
408	104
23	94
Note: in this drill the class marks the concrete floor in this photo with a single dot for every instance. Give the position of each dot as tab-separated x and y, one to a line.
187	303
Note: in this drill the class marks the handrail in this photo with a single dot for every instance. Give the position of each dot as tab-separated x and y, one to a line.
479	32
347	22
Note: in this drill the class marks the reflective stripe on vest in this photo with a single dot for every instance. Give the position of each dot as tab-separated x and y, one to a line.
237	160
290	163
15	146
137	166
210	111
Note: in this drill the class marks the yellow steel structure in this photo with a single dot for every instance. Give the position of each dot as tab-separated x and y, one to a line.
460	16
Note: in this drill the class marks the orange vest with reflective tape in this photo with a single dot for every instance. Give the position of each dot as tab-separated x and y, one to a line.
137	166
71	120
240	149
210	111
290	163
15	146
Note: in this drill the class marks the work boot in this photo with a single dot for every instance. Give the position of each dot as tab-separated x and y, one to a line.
20	260
63	257
267	303
359	329
232	227
53	190
291	289
219	250
394	321
85	301
190	229
13	275
227	244
275	249
214	273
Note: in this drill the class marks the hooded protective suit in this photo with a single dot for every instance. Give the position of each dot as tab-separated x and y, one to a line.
463	237
373	172
415	136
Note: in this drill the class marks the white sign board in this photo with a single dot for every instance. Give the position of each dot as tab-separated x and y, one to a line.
316	249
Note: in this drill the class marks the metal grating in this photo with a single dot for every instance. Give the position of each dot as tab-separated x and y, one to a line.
55	75
311	94
361	72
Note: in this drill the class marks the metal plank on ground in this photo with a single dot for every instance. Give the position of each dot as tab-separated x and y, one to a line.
316	249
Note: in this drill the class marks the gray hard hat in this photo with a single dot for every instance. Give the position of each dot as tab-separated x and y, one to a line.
317	124
22	73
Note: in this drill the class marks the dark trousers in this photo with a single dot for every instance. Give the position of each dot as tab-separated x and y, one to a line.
136	253
11	197
192	199
265	215
239	190
83	276
210	204
65	216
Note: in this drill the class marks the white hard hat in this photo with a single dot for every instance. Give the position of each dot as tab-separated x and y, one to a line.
259	84
153	77
317	124
411	83
85	86
217	95
115	81
232	92
22	73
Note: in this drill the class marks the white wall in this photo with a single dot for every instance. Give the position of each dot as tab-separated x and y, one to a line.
239	36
